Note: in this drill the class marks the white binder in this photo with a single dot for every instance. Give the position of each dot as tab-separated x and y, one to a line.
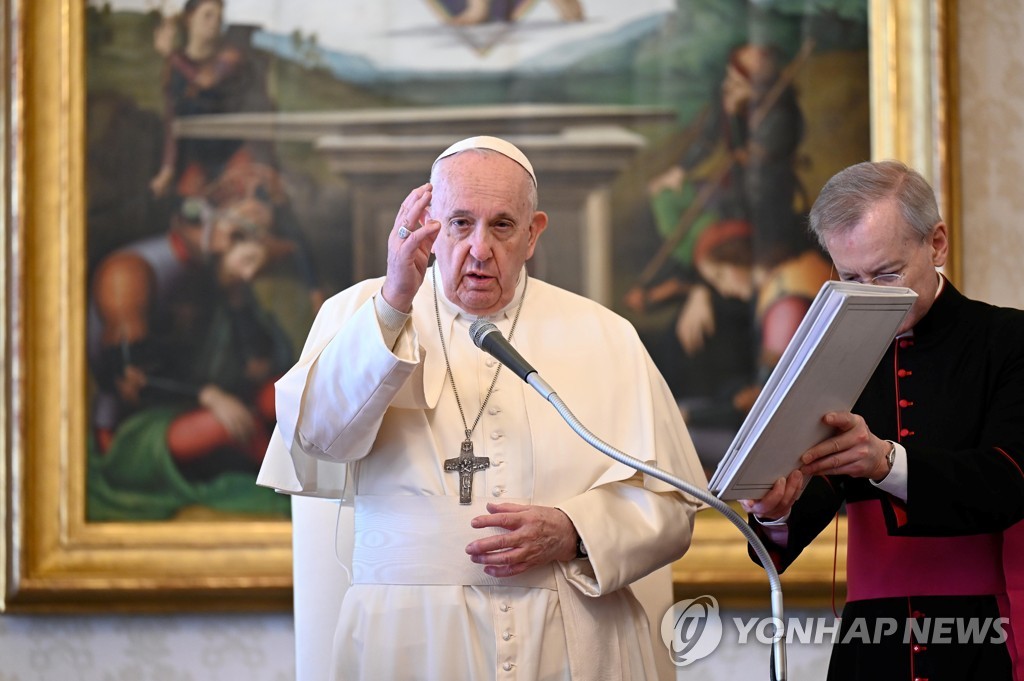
824	368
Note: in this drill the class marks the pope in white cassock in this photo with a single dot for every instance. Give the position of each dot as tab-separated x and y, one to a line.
491	542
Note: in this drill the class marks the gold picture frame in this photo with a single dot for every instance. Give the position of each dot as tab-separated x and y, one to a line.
54	561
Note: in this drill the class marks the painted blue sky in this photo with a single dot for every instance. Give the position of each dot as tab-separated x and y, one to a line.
409	34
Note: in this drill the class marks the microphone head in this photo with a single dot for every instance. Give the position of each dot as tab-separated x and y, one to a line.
479	329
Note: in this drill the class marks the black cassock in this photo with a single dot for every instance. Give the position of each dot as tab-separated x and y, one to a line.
945	566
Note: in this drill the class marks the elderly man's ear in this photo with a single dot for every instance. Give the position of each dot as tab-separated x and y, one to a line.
940	244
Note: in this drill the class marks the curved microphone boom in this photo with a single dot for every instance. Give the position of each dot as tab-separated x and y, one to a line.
488	338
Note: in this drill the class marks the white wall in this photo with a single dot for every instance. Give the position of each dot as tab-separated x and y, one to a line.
992	142
117	648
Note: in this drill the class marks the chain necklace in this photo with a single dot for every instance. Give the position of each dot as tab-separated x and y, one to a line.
466	464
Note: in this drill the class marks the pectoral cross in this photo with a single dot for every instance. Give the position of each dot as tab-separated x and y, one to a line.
466	465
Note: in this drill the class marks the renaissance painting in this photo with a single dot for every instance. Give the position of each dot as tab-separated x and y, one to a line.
245	159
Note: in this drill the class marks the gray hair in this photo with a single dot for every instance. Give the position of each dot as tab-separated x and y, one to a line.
531	191
852	193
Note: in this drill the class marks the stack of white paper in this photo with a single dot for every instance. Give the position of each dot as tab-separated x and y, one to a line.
824	368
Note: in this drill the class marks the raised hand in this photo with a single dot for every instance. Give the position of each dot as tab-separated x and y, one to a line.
409	247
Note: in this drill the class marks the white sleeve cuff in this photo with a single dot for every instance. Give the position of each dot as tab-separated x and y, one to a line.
777	530
895	483
772	523
391	321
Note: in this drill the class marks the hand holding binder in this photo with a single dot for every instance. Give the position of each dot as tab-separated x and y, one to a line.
824	368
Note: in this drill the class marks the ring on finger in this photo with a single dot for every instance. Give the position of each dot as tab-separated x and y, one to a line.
403	232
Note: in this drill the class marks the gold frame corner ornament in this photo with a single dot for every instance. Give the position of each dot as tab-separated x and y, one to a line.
53	561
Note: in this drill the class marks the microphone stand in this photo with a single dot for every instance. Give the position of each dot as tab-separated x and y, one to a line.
778	662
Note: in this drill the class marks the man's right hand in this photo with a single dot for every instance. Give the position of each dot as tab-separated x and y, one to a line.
408	257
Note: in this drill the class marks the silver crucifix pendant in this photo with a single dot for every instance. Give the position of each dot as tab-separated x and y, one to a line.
466	465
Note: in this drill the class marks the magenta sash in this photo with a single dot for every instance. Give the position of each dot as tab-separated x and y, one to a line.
1011	603
883	566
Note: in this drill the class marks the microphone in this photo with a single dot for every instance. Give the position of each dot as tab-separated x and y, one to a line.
488	338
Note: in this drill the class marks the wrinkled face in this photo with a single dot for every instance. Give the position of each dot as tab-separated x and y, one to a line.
883	244
489	228
205	21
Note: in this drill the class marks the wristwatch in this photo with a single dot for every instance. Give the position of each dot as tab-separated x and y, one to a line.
890	458
581	548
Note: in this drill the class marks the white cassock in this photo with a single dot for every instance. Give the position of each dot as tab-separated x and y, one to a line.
418	608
